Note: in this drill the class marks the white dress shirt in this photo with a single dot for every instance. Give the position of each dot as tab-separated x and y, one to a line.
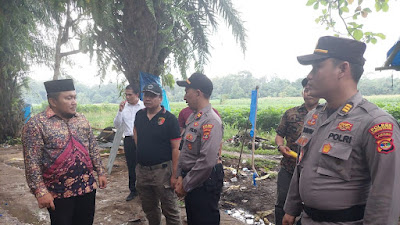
125	119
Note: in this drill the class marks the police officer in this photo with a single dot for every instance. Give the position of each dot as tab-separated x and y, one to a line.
201	175
290	129
348	169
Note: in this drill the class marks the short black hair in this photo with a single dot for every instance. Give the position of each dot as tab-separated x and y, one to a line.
356	69
134	88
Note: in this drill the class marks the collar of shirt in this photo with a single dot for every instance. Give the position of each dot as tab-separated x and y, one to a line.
198	114
50	113
139	103
348	106
162	111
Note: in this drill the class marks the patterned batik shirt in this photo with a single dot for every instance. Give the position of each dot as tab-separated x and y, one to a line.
60	156
290	128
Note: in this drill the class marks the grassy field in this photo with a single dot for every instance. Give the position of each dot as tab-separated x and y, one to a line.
234	113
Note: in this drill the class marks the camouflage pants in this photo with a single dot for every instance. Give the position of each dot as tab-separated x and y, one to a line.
153	186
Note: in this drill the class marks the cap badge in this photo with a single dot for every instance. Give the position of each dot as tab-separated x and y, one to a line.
321	51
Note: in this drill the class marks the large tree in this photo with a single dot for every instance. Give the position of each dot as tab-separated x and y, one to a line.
19	44
150	35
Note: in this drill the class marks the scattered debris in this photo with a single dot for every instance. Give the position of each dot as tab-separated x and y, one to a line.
246	217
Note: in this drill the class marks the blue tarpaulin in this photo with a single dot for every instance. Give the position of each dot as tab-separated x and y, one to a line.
253	110
27	112
145	79
396	59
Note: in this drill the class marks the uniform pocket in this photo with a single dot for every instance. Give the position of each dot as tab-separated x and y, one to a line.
215	182
335	160
191	143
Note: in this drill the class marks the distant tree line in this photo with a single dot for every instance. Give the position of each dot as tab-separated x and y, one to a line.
232	86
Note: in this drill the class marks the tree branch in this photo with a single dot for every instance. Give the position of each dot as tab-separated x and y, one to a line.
70	53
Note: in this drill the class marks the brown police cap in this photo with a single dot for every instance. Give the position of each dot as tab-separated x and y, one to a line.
335	47
198	81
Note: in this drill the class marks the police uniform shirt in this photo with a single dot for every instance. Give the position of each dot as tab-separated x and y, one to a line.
349	158
154	137
199	154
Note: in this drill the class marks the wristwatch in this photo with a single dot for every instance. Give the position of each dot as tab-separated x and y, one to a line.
278	147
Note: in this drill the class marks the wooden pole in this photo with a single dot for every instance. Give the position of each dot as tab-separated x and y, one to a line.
254	135
241	149
114	149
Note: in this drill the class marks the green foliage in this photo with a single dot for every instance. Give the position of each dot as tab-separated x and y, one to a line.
20	45
345	11
162	33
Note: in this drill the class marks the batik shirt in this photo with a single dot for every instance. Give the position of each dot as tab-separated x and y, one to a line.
290	128
60	156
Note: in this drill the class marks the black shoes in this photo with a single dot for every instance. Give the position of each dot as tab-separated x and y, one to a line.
131	196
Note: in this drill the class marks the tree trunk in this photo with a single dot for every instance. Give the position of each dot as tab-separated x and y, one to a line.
142	47
57	55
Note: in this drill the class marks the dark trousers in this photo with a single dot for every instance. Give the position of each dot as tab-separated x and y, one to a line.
202	202
284	178
130	156
77	210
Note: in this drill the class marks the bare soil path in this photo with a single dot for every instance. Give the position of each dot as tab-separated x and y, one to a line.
19	207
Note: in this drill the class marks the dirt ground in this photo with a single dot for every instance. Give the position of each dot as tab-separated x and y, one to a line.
19	207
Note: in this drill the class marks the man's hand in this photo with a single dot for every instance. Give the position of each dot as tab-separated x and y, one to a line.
102	181
288	219
46	201
122	105
285	151
174	181
180	192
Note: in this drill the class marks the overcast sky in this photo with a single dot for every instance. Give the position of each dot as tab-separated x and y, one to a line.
278	31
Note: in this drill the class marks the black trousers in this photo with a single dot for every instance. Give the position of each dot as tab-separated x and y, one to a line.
130	156
202	202
284	178
77	210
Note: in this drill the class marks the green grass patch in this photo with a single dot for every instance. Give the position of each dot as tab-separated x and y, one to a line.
259	163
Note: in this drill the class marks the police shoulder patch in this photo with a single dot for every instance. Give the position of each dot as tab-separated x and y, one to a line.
206	130
382	132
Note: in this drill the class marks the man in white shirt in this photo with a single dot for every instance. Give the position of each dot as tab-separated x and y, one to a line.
124	120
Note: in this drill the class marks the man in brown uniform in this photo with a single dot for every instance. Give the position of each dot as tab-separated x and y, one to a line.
201	175
290	128
348	169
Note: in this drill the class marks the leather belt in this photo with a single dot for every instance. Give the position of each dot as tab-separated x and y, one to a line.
154	167
353	213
